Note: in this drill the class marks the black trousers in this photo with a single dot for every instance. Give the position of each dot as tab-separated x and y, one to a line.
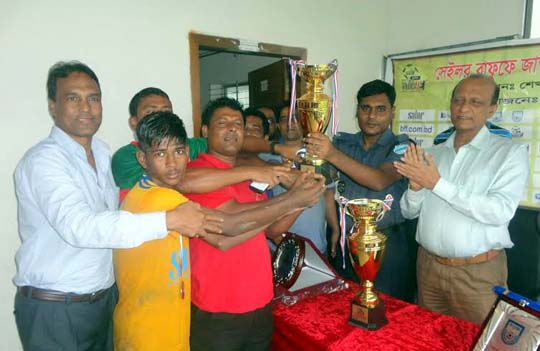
251	331
50	325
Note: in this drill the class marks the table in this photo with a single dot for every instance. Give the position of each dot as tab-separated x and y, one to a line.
321	323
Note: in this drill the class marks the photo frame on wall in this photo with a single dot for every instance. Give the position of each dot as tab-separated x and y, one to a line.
512	324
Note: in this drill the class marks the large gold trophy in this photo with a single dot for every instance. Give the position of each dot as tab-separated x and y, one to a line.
366	248
314	107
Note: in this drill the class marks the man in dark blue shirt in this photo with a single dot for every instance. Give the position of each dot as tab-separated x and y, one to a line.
364	163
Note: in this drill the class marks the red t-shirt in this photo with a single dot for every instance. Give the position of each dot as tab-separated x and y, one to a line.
238	280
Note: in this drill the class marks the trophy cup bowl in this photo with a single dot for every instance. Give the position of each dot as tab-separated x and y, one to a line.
319	72
366	249
314	106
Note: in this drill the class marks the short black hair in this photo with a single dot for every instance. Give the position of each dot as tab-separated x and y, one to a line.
62	69
496	88
257	113
136	99
217	104
159	126
376	87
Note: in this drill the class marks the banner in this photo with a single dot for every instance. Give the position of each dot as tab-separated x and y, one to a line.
424	86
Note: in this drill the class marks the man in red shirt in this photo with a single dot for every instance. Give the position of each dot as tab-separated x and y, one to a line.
231	290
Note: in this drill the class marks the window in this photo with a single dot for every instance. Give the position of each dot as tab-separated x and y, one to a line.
238	91
216	91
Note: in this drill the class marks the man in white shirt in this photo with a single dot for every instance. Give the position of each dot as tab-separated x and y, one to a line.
68	223
464	192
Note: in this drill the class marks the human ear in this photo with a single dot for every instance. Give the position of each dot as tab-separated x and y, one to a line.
141	158
133	122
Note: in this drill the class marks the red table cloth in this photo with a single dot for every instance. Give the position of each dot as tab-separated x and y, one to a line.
321	323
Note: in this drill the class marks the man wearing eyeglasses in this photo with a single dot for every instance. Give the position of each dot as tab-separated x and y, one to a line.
464	192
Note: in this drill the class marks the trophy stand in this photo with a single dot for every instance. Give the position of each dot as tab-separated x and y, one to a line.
366	248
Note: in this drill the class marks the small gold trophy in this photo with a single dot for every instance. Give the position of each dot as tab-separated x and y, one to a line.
314	107
366	248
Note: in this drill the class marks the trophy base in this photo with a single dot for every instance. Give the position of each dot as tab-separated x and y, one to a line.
310	159
368	318
311	168
323	169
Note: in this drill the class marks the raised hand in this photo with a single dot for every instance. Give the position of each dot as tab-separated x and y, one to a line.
419	167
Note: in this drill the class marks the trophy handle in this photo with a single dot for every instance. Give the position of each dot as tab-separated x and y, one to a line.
347	212
380	216
334	63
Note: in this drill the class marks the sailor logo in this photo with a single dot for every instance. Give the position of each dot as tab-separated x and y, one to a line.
511	332
400	149
411	78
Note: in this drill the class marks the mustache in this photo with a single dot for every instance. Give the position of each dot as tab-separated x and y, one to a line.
232	134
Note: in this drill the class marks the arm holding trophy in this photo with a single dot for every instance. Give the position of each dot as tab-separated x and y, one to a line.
376	178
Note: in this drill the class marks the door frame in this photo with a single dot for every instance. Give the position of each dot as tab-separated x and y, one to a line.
211	42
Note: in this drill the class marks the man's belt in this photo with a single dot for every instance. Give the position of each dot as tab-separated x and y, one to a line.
460	261
58	296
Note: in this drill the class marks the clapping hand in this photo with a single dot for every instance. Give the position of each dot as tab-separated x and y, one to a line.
419	167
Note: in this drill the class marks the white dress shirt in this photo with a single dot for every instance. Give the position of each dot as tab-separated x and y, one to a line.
68	221
469	209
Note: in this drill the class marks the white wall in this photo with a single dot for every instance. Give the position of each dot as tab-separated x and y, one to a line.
423	24
134	44
227	68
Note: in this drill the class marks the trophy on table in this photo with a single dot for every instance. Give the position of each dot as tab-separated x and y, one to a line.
366	248
314	107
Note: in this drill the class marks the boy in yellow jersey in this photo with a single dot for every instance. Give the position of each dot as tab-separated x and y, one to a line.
153	311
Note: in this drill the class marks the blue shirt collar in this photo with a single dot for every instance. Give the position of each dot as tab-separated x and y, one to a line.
480	141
